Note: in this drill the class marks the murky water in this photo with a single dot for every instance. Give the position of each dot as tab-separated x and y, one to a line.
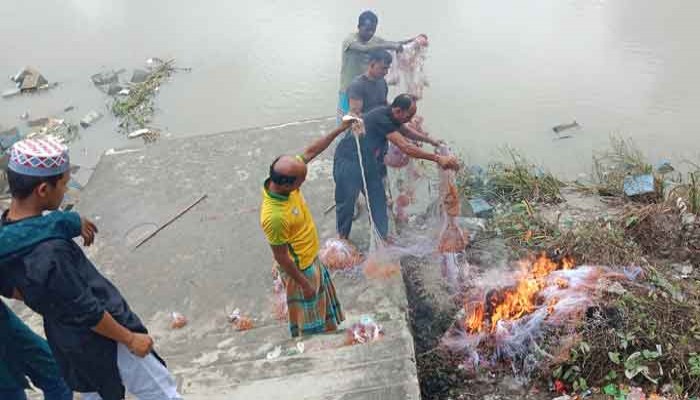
501	71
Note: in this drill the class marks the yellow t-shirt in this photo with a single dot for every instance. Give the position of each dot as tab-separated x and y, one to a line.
287	220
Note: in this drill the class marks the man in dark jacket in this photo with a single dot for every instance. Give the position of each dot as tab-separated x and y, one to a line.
100	345
24	355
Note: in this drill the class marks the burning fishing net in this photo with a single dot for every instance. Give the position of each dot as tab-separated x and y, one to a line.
339	254
508	322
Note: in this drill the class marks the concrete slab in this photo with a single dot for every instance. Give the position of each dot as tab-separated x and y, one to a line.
215	259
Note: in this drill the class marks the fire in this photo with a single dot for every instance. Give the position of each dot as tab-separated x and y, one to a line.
515	302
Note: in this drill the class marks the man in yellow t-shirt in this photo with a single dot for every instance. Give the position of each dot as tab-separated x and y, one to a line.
290	230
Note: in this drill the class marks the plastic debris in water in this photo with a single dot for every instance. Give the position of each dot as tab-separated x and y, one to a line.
90	118
138	133
178	320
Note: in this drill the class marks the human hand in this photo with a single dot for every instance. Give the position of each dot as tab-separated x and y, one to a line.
140	344
308	290
422	39
87	231
348	121
448	162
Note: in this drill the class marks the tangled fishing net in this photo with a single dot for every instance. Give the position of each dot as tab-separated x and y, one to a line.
511	318
408	71
339	254
452	238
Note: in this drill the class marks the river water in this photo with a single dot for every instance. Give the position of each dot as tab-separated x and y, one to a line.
501	72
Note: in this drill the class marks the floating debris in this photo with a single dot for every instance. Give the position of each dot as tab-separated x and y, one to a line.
91	118
9	137
139	76
38	122
29	79
11	93
563	127
138	133
57	128
135	105
107	77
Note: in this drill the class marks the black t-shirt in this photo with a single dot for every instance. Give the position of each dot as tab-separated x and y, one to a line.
372	92
378	124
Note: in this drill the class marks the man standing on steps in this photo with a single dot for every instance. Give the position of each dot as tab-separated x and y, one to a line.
291	232
382	125
355	51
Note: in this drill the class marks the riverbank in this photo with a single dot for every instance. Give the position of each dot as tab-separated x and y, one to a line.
588	289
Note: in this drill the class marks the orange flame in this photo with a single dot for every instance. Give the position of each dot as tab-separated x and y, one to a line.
514	303
475	322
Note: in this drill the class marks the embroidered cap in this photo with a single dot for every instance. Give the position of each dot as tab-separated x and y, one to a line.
39	157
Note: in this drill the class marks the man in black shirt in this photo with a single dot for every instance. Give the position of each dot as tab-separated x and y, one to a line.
382	124
369	90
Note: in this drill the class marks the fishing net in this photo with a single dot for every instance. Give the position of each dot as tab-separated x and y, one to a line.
452	238
339	254
395	158
365	331
279	300
408	72
382	265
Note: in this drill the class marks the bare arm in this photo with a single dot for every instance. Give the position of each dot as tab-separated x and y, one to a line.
410	149
281	254
138	343
111	329
366	47
322	143
414	134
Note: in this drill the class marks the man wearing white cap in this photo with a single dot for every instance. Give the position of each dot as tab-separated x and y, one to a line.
100	345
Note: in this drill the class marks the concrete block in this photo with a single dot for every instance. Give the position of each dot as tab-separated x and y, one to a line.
638	185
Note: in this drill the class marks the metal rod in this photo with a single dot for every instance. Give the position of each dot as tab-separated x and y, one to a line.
170	221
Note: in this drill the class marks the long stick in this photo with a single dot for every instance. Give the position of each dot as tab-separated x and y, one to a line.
170	221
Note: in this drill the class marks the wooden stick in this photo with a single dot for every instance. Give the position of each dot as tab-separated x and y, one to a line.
170	221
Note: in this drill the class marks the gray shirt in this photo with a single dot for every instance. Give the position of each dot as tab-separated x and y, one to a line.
372	92
355	56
